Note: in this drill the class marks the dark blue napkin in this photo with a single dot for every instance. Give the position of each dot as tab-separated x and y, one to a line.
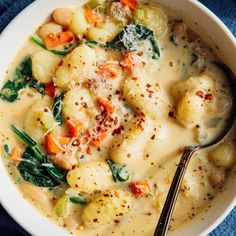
226	10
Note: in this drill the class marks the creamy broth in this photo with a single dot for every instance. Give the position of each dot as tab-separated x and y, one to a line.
148	122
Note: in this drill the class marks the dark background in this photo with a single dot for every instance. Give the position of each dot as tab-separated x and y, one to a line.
225	9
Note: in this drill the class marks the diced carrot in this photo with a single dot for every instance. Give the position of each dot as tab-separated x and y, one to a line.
54	144
106	106
99	139
15	155
50	89
110	70
92	16
56	40
132	4
74	127
140	188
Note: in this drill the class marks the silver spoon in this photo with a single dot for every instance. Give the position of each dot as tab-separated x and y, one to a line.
164	220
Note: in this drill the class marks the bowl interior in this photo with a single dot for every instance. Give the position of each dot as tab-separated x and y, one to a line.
12	40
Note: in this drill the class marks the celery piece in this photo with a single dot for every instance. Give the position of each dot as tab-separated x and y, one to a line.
60	207
139	15
97	4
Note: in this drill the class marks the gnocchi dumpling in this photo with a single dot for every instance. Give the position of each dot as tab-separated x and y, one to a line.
90	176
105	32
129	146
223	155
39	119
44	65
79	24
146	98
78	104
76	66
190	110
107	207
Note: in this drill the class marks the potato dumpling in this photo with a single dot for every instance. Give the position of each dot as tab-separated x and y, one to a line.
105	32
190	111
49	28
106	208
90	176
146	98
78	24
153	18
44	65
223	155
78	104
39	119
192	85
129	146
76	66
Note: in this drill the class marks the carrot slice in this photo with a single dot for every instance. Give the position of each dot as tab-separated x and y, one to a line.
74	127
109	70
132	4
56	40
92	16
15	155
140	188
106	106
54	144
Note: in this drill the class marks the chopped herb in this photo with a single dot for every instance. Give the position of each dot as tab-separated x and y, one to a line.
7	149
128	38
57	108
173	40
119	172
77	200
92	43
194	58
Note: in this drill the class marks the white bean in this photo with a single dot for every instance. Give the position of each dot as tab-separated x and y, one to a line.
63	16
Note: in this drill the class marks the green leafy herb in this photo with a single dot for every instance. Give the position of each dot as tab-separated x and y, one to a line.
92	43
22	78
128	38
214	122
119	172
173	40
194	58
57	108
31	170
7	149
77	200
39	42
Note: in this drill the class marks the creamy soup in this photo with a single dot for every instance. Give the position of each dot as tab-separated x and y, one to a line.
97	108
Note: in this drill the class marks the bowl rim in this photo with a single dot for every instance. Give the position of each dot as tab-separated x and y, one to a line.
33	229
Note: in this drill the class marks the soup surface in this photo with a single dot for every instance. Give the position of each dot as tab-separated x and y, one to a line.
97	108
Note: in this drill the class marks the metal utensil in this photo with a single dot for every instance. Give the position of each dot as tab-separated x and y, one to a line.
164	220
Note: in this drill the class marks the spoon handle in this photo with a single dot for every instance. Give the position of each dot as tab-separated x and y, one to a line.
162	226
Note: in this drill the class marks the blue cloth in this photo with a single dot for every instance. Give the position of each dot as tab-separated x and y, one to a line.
226	10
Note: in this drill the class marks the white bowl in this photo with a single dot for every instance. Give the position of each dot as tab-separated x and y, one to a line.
12	39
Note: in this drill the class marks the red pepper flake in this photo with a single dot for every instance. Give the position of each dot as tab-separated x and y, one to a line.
200	94
148	85
118	130
116	120
134	78
116	221
88	151
209	97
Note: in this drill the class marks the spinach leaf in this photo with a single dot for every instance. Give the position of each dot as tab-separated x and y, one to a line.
57	108
7	149
173	40
22	78
32	171
128	38
8	92
119	172
53	171
194	58
77	200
